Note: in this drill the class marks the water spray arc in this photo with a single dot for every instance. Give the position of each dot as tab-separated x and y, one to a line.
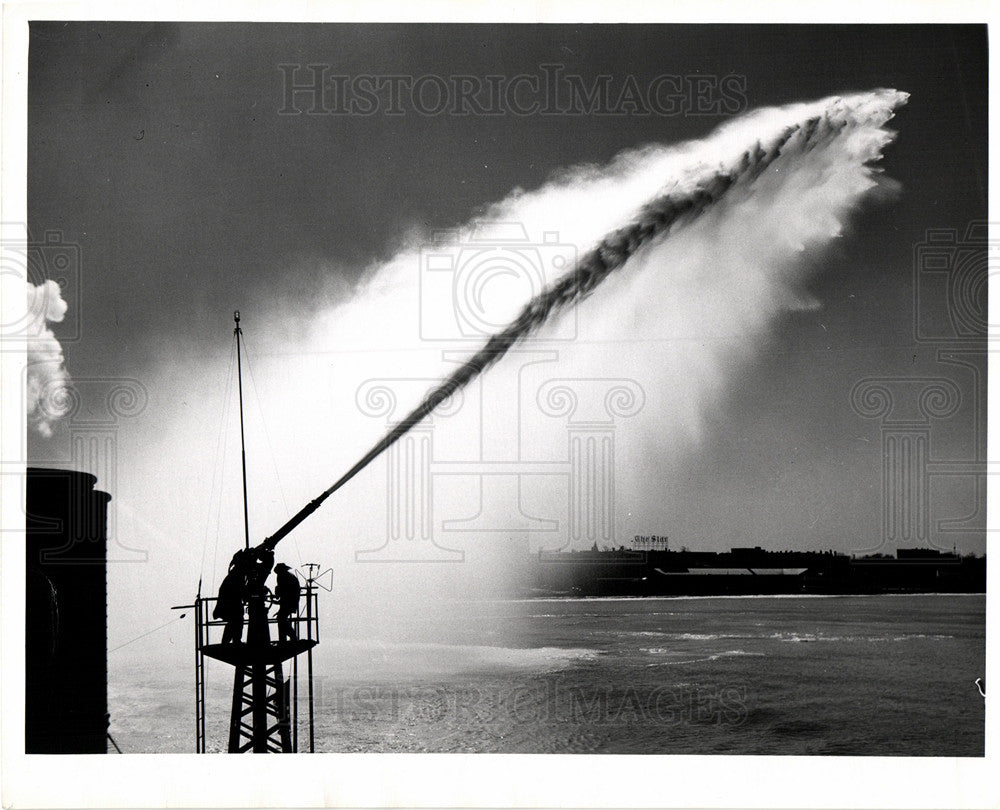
684	200
653	222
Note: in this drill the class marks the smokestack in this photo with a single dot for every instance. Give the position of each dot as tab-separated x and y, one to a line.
66	683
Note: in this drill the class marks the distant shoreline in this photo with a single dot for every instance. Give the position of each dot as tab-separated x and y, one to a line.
749	571
661	598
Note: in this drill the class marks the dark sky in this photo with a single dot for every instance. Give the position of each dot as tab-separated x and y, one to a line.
158	148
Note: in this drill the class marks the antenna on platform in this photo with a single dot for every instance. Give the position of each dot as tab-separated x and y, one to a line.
238	333
313	577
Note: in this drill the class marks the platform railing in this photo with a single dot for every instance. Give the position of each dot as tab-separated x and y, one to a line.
305	621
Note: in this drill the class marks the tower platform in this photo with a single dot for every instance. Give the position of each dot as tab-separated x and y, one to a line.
241	654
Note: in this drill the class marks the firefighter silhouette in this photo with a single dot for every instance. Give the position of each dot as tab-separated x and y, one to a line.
229	604
287	593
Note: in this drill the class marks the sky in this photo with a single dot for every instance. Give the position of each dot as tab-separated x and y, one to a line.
169	158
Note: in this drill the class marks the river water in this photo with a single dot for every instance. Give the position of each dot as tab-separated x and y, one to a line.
853	675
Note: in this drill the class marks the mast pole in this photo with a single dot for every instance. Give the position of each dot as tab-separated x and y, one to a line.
243	447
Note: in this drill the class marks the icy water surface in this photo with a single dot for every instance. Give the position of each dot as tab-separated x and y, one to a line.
878	675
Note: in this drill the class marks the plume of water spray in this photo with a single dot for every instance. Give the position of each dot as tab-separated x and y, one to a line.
724	171
688	255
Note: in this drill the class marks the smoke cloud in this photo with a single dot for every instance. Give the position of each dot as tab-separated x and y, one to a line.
48	383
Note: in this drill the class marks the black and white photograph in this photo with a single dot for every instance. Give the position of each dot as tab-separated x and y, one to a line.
495	384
